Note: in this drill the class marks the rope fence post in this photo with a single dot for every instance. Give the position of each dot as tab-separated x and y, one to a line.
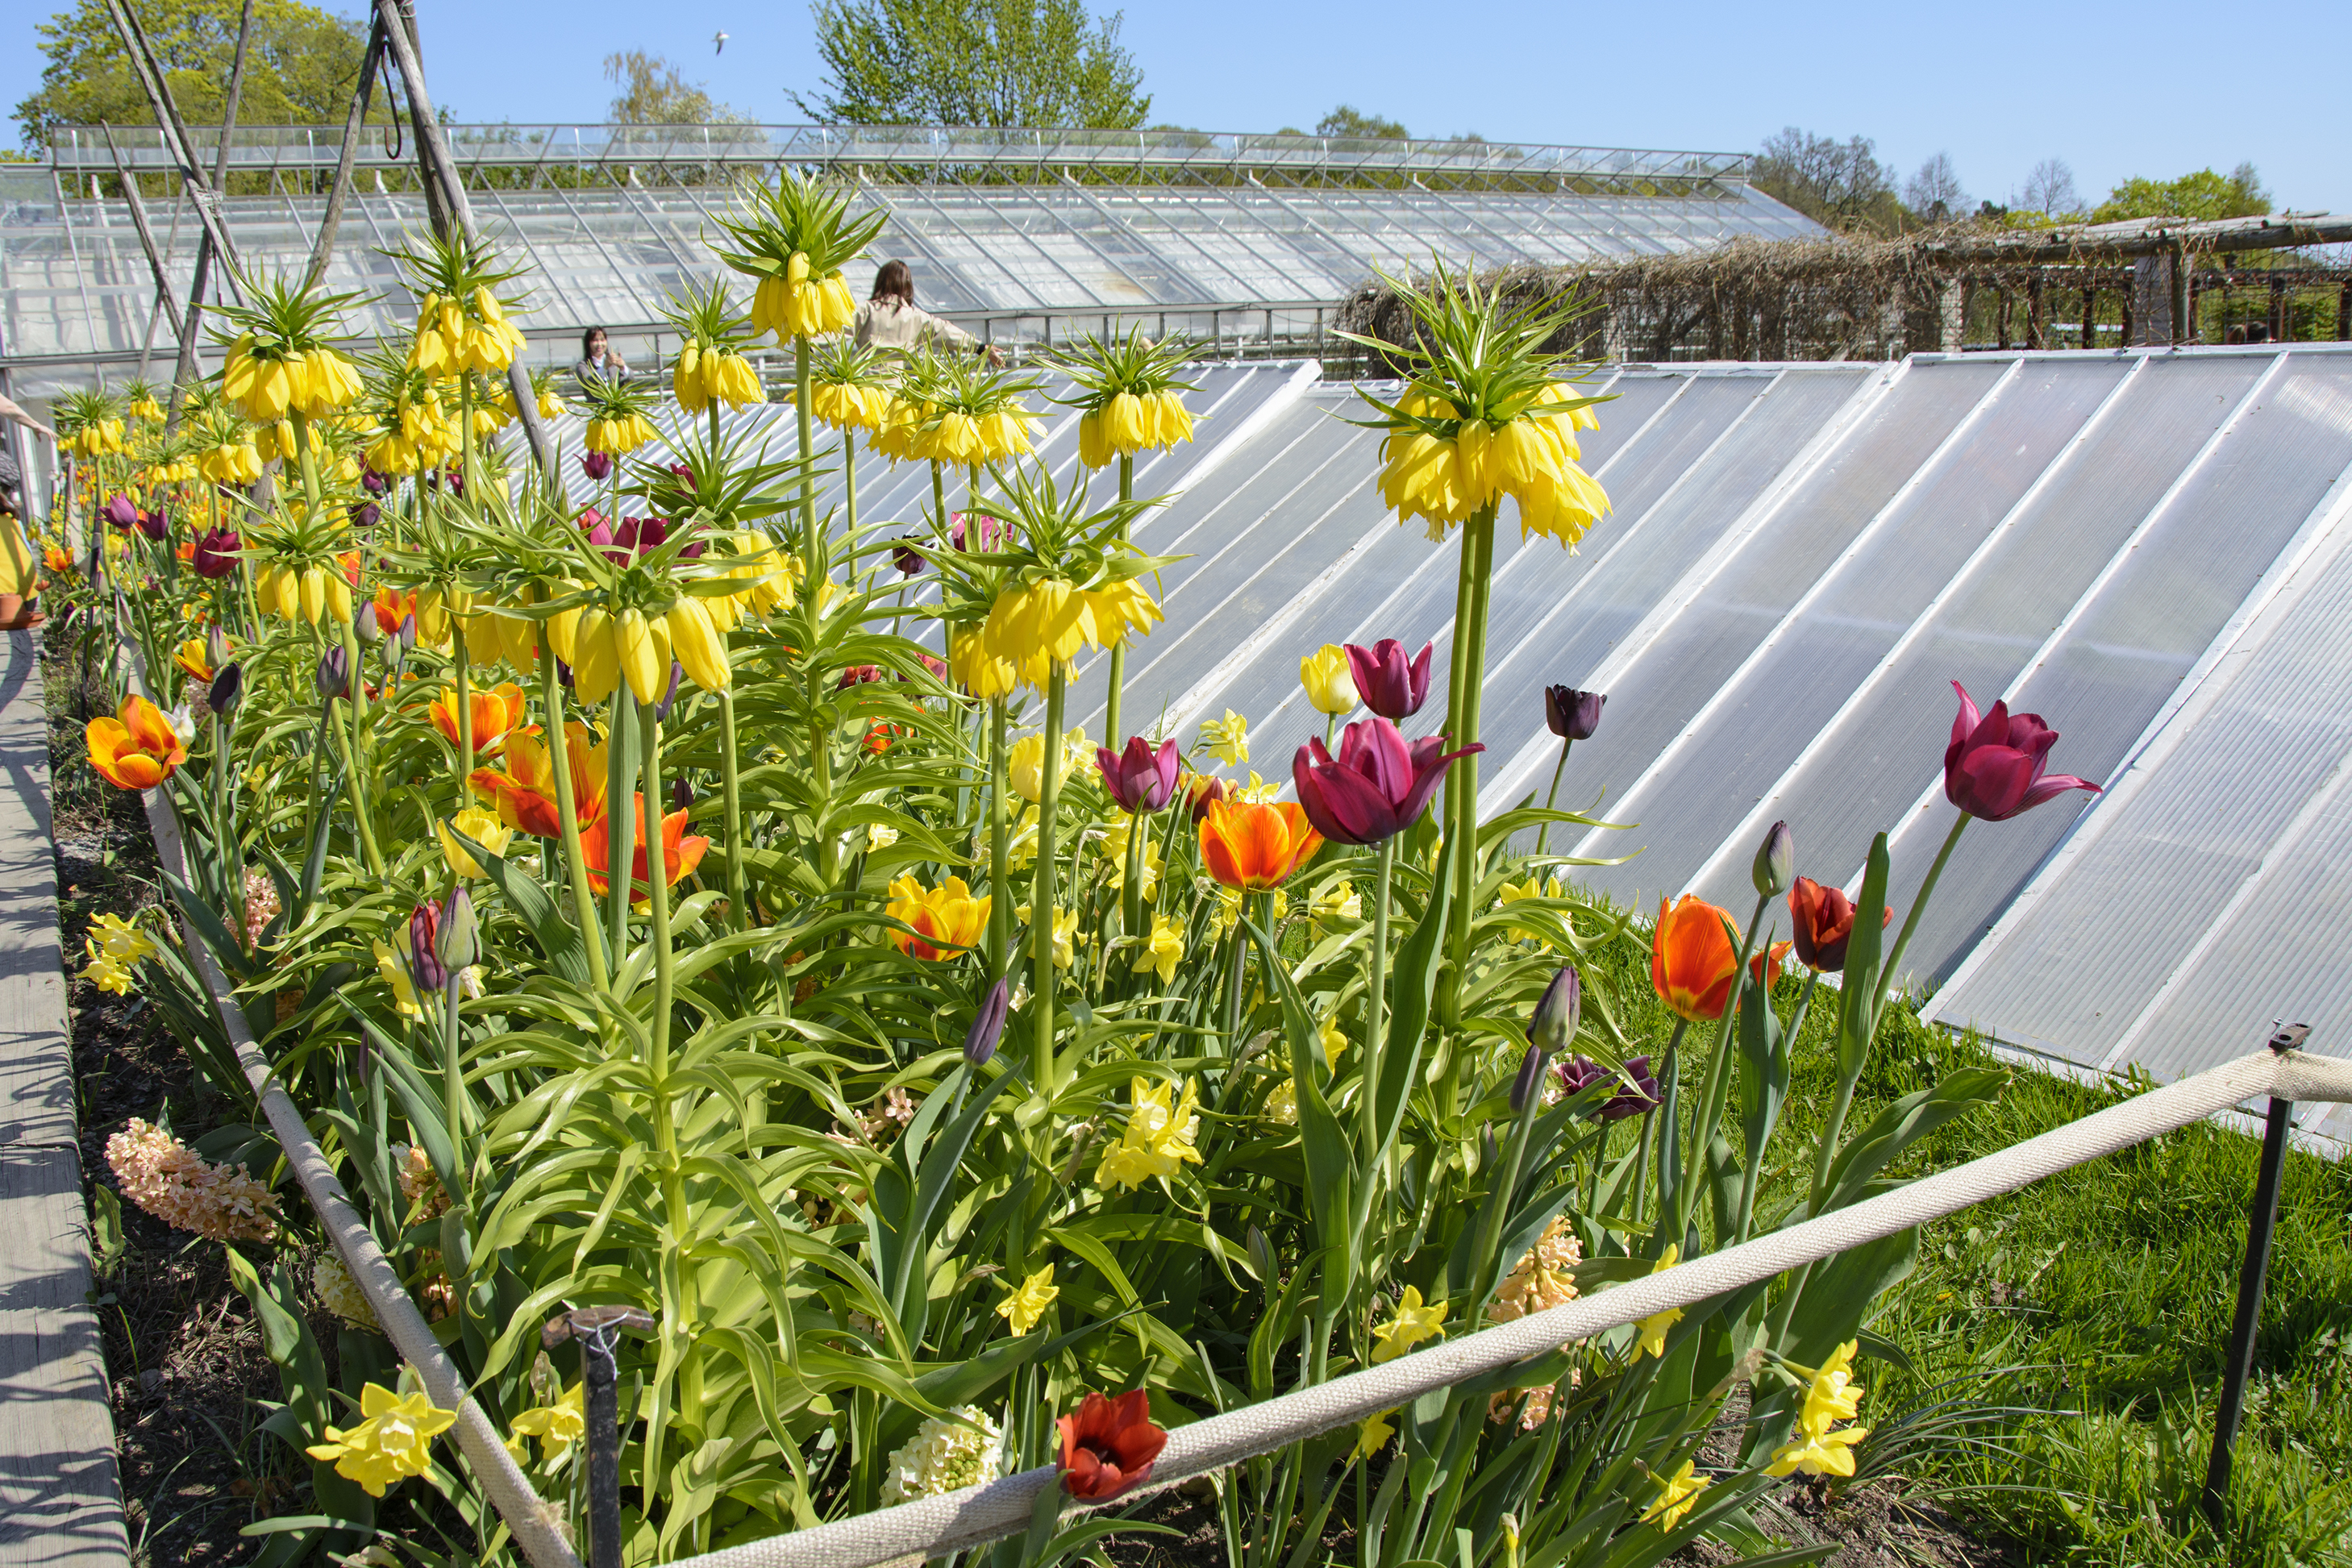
2251	1277
597	1331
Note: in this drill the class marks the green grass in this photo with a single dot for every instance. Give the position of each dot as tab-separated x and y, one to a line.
2103	1296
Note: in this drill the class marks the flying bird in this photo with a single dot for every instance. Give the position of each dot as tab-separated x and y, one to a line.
720	40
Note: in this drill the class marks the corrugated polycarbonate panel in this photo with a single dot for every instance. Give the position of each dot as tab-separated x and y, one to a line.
1782	711
2123	650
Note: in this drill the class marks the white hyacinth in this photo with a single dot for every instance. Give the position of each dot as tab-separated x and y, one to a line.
944	1455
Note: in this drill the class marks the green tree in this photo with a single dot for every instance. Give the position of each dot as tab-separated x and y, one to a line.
973	62
656	92
1840	184
1350	121
2203	196
300	69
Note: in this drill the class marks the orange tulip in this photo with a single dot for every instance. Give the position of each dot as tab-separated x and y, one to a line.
57	560
187	552
392	605
193	657
1693	960
139	750
1254	847
680	854
496	713
525	789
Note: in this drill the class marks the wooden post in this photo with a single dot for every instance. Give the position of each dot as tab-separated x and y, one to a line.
236	91
353	126
2090	316
2001	319
2179	257
2033	309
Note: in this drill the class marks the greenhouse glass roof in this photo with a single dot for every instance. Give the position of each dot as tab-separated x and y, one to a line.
1002	228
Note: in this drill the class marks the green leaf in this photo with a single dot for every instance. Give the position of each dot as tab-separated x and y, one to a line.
1905	1123
1864	953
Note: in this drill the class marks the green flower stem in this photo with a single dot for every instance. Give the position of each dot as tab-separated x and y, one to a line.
584	898
1719	1074
1551	801
1468	680
1894	965
1041	900
466	430
353	785
939	495
621	768
1375	1040
1000	838
1130	888
1748	1176
453	1069
1663	1076
1111	733
739	910
849	478
665	1149
230	850
812	544
465	705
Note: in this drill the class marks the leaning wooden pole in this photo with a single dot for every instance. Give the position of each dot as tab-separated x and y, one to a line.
354	125
129	177
441	168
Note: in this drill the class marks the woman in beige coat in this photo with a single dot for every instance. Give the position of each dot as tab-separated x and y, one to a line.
890	320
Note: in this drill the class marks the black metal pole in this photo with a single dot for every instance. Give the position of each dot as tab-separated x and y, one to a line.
2260	1225
602	1373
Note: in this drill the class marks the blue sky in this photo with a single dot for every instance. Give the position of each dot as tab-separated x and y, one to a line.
2113	90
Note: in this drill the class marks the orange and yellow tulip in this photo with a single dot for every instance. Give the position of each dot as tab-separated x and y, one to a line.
1255	847
681	853
525	788
137	750
1693	959
948	920
496	714
191	656
58	560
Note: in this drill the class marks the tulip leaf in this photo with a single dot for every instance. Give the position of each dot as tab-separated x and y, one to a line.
556	936
1412	986
416	1099
1321	1139
226	950
1905	1123
1857	1010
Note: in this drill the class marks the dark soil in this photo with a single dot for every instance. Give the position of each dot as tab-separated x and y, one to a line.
183	1356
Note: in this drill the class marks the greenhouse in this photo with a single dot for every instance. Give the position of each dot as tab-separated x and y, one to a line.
1052	927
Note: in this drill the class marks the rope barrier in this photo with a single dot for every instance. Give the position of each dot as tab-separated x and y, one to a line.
933	1526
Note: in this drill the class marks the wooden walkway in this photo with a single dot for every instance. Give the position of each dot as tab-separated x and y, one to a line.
59	1500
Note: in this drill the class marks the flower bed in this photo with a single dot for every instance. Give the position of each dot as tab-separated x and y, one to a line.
959	1095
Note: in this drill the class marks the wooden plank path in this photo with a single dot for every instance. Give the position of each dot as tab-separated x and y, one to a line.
60	1505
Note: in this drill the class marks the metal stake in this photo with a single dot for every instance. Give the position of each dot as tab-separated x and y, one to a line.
598	1329
2240	1361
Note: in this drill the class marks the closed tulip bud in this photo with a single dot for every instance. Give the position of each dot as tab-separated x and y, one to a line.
1523	1087
1572	715
122	511
334	675
373	483
216	554
366	514
988	1024
1389	683
424	966
907	559
227	687
407	632
676	674
1558	1014
597	465
216	648
366	626
459	943
156	525
1776	862
1261	1253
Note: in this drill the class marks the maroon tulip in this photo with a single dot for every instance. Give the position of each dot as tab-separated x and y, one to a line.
1823	921
907	558
1579	1074
597	465
637	536
1572	715
122	511
1140	779
1993	768
1391	686
424	966
156	525
1378	786
373	483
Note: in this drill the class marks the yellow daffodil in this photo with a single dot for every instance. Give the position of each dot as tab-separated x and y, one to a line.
1679	1496
483	827
1026	1304
1158	1139
1162	951
558	1425
1329	680
1228	737
1372	1434
393	973
1334	1043
1025	762
1414	1322
1282	1102
1651	1339
1337	904
394	1442
1818	1453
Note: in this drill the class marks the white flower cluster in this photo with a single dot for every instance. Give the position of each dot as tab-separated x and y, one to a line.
341	1294
943	1455
179	1187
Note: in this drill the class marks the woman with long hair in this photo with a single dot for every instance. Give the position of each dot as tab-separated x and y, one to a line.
891	318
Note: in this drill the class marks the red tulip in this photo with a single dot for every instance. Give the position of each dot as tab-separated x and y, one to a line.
1203	789
216	554
1142	779
1391	686
1993	768
1378	786
1109	1446
1824	918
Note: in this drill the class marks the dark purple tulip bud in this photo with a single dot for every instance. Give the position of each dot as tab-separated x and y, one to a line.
1558	1014
334	676
156	525
407	632
217	551
988	1024
1391	684
424	966
1523	1087
227	687
373	483
1142	778
563	674
681	794
908	560
1993	766
1572	715
597	465
122	511
1378	786
366	514
676	674
1775	871
366	626
1639	1100
459	940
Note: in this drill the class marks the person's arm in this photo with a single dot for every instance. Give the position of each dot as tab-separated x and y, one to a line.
9	410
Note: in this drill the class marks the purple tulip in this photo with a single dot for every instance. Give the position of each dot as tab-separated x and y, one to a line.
1142	778
1558	1012
1579	1074
155	525
987	1025
334	675
366	514
1572	715
681	794
217	552
1391	686
676	674
458	941
1993	768
908	560
597	465
373	483
1378	786
424	966
227	687
122	511
1523	1087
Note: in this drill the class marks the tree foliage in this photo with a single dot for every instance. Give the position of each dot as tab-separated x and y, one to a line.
299	70
973	62
1838	184
1350	121
654	91
2203	195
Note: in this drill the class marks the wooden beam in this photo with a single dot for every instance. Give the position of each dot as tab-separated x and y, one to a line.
146	235
354	126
